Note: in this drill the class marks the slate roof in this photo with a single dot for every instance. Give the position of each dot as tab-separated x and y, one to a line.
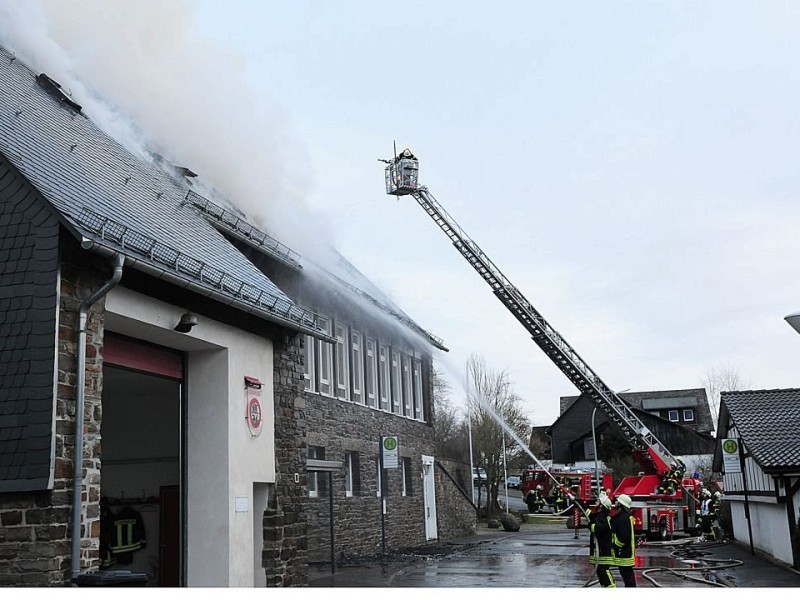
768	422
105	193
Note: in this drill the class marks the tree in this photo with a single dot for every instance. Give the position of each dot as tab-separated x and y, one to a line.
718	380
448	432
492	406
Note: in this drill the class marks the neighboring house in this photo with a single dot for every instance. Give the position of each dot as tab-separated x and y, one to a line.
687	435
766	424
126	292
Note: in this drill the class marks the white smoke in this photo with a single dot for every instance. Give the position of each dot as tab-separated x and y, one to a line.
143	74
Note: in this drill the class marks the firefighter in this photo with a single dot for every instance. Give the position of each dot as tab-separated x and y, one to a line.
624	539
561	500
534	499
603	545
705	508
714	511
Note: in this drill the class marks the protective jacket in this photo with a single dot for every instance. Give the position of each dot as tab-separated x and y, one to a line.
601	528
623	538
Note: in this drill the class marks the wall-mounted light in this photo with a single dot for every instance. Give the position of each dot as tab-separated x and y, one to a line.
794	321
188	320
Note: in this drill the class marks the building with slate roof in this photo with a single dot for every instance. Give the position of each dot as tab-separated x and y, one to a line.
762	470
680	419
196	361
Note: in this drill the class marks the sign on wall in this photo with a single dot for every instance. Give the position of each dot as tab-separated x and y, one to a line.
390	449
254	414
731	462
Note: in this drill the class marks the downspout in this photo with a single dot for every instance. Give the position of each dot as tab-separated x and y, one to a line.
118	261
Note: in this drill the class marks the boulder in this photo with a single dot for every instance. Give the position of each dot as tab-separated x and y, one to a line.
510	522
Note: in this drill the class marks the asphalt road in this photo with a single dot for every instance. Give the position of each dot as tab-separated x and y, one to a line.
543	555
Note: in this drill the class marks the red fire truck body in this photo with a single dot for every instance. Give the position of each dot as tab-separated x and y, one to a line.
580	484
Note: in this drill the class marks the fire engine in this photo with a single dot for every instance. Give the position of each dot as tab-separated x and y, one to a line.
657	511
580	484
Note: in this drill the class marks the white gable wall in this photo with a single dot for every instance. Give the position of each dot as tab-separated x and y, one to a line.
224	461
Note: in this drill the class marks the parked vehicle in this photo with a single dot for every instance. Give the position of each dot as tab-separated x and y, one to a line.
479	477
512	482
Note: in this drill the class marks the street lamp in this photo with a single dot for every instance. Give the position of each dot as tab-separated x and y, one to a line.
794	321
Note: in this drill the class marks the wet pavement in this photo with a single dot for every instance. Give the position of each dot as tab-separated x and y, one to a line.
546	555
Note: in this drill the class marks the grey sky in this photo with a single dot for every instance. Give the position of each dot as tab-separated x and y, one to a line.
630	166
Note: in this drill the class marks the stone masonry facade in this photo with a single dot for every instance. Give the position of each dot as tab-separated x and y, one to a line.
35	536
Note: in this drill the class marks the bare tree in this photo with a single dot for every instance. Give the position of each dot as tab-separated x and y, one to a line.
721	379
447	423
492	401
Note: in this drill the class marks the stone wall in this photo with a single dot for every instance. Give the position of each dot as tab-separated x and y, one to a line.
340	427
457	516
35	536
285	521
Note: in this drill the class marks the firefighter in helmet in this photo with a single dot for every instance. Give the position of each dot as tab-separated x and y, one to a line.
534	499
603	551
714	512
624	539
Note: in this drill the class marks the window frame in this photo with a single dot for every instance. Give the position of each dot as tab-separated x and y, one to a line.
396	382
358	393
310	367
690	417
341	362
676	413
371	372
325	352
384	378
419	399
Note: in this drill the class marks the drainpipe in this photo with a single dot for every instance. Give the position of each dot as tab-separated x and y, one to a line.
118	261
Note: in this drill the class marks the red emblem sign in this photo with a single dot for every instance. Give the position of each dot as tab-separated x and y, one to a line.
254	414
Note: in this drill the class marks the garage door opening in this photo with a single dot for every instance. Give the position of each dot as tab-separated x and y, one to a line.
141	471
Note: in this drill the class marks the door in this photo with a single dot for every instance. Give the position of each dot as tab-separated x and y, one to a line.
429	498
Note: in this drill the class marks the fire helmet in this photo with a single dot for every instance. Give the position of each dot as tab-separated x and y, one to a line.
605	501
717	494
624	500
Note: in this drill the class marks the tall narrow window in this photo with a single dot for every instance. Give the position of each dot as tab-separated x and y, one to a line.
371	374
325	351
419	412
408	480
342	372
397	383
352	477
357	365
316	481
408	388
309	371
383	377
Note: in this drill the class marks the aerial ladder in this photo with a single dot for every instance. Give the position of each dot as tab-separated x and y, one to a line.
652	455
656	461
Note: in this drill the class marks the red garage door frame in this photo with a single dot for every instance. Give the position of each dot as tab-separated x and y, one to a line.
137	355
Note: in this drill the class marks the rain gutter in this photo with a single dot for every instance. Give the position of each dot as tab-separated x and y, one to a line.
118	261
201	290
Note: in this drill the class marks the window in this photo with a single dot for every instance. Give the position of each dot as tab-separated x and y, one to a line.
342	372
397	384
309	377
418	399
688	414
383	377
325	351
357	365
408	388
405	464
372	374
316	481
672	415
352	479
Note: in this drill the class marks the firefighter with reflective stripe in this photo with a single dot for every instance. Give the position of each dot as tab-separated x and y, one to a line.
624	539
603	551
714	511
561	499
534	499
705	513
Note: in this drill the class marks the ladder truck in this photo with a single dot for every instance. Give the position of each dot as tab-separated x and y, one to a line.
656	514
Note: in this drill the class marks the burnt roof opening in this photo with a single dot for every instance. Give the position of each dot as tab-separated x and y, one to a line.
54	89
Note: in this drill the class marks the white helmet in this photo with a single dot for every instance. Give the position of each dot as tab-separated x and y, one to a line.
717	494
706	493
605	501
538	487
624	500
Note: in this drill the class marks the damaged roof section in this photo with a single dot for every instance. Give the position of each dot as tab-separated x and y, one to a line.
108	197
